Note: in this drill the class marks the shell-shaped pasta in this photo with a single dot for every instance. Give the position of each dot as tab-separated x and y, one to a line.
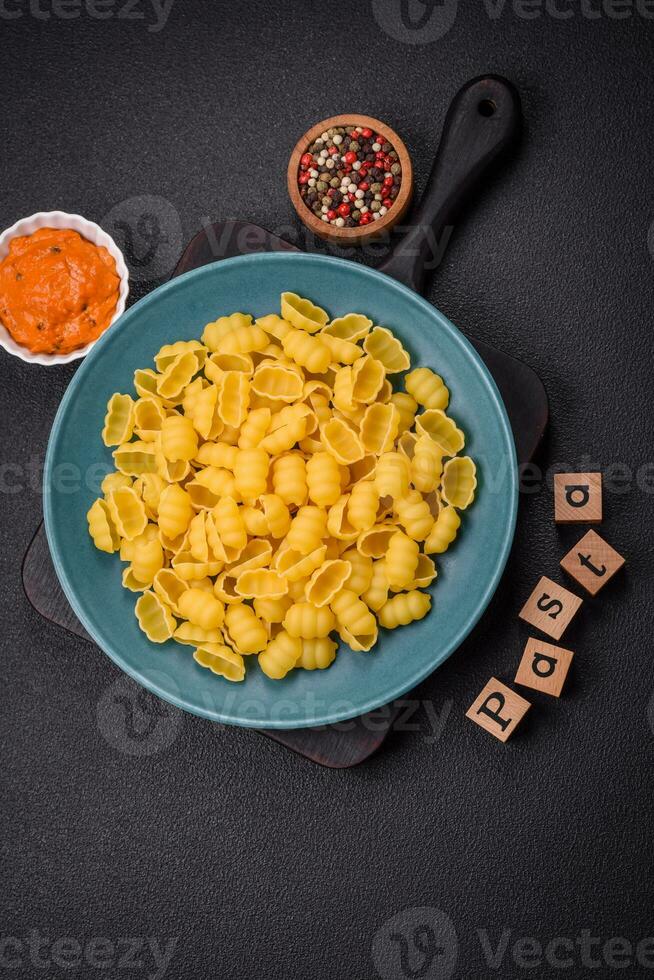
342	398
351	327
407	407
327	581
216	331
255	520
197	538
209	485
404	608
147	557
374	542
101	527
201	608
216	365
276	515
251	472
247	632
376	594
442	429
323	479
287	428
459	482
175	511
427	388
172	470
189	569
179	440
342	442
386	348
414	515
261	583
392	475
149	414
353	615
362	505
154	617
443	532
254	428
274	325
244	340
203	413
169	586
233	398
127	512
342	351
367	379
362	469
379	427
425	573
317	654
406	444
426	464
220	660
278	382
256	554
308	528
338	523
272	610
360	577
307	621
281	655
302	313
194	636
230	525
307	351
217	454
135	458
113	481
130	582
119	420
177	375
295	566
145	382
401	561
167	354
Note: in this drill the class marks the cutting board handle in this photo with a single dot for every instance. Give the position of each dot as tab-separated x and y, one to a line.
482	122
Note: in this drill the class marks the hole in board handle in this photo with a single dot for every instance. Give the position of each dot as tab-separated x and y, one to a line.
487	108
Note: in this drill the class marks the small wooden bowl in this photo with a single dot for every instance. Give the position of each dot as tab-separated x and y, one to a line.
366	233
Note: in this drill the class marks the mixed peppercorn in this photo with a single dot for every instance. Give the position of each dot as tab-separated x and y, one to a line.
349	176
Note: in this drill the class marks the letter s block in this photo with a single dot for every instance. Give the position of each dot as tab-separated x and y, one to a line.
498	710
578	498
550	608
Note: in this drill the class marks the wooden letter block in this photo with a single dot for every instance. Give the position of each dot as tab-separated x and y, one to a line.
544	667
578	498
592	562
498	709
550	608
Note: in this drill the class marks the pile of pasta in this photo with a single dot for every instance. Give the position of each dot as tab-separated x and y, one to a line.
273	490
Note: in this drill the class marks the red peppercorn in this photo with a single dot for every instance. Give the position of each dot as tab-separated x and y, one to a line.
387	202
366	133
332	192
347	168
350	157
364	185
366	218
304	178
388	182
351	197
331	214
332	150
379	155
306	159
344	210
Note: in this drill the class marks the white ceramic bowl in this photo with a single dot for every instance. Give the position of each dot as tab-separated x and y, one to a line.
89	230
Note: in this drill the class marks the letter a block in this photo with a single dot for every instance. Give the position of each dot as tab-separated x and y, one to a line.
544	667
592	562
578	498
550	608
498	709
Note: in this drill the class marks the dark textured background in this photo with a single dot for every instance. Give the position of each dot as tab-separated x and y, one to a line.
260	863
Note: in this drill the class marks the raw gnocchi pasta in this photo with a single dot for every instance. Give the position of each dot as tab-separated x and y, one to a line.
276	490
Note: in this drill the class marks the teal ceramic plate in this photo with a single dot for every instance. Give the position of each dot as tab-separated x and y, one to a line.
357	682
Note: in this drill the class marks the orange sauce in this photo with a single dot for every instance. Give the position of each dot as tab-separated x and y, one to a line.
58	291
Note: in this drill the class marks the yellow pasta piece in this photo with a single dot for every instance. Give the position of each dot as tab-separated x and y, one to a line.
376	595
217	330
280	656
401	561
392	475
119	420
135	458
201	608
233	398
247	632
217	454
274	325
251	472
317	654
113	481
177	375
254	520
443	532
272	610
323	479
338	524
276	515
254	428
261	583
287	427
414	515
379	427
220	660
230	525
301	313
355	622
101	527
382	345
194	636
169	352
179	439
169	586
435	423
243	340
352	327
425	573
154	617
426	464
367	379
308	528
362	505
360	577
145	382
326	581
342	351
374	542
279	382
459	482
307	351
407	407
256	554
404	608
149	415
175	511
427	388
295	566
342	442
204	411
147	557
127	512
307	621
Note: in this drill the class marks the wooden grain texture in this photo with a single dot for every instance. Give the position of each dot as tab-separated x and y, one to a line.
578	498
498	710
592	562
550	608
366	233
544	667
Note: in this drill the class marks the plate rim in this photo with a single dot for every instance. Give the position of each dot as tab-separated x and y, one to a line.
325	717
